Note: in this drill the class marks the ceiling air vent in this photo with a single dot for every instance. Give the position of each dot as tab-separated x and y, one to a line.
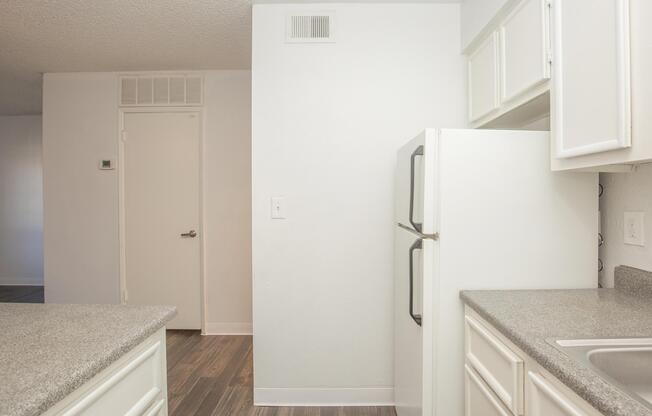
310	27
160	90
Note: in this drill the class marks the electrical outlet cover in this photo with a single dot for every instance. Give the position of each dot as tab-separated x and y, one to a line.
634	228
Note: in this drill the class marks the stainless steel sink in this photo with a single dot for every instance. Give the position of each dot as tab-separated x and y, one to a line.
625	362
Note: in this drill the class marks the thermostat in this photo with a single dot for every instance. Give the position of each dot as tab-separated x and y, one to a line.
106	164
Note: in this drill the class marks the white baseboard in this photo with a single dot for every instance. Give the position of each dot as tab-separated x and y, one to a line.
366	396
21	281
228	328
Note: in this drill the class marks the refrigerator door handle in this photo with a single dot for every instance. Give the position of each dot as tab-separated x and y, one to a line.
422	236
416	246
417	152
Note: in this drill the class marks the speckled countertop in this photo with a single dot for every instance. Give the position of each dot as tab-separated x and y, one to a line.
48	351
532	318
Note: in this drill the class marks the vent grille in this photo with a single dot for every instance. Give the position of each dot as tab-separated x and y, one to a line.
129	91
147	90
310	28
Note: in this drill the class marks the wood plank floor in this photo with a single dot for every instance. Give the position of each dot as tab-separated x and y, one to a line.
21	294
213	376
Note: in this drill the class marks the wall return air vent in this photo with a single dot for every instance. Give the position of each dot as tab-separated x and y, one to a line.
160	90
313	27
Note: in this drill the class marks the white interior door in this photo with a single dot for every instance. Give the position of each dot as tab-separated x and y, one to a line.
161	213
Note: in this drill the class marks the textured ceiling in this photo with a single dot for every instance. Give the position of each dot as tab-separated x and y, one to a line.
38	36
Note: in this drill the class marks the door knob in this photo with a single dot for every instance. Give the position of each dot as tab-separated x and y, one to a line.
191	234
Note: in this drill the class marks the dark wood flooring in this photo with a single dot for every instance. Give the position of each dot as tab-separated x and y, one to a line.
213	376
21	294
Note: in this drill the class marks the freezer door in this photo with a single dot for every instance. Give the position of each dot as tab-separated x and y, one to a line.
415	183
409	184
408	335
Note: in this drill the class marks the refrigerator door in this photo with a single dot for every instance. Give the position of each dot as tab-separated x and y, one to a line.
414	188
410	184
408	313
415	256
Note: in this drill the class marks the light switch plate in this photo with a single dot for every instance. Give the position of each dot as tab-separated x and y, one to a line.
278	208
634	228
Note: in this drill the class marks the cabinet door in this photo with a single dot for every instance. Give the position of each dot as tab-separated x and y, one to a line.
479	400
498	366
545	400
591	77
483	79
524	49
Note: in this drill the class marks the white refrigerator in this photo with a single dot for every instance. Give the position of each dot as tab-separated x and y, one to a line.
477	209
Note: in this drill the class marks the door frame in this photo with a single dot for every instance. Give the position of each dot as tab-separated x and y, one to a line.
121	198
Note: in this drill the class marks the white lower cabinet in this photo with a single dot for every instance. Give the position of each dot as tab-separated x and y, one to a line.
501	380
546	400
135	385
496	363
478	397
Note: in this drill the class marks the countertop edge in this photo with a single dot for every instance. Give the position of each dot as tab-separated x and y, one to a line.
78	379
564	369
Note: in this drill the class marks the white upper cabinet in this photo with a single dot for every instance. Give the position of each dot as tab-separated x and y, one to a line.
483	79
509	66
591	85
476	15
581	66
524	50
601	88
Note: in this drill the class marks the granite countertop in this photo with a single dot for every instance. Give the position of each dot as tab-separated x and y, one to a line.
531	319
48	351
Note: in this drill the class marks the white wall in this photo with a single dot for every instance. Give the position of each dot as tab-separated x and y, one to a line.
625	192
227	201
21	201
81	202
476	14
327	122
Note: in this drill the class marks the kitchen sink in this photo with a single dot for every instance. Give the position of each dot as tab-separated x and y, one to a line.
625	362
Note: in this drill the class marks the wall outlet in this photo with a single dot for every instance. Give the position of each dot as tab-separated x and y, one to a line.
634	228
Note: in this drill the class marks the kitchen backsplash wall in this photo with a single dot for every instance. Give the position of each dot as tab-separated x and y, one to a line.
625	192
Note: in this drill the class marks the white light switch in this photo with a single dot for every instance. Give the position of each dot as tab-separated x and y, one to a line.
634	228
278	208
